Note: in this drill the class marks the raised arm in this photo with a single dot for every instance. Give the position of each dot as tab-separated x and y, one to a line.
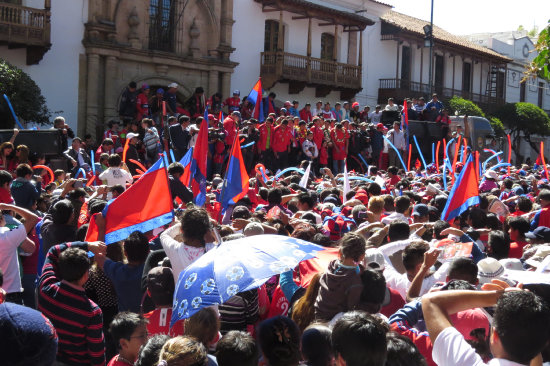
30	219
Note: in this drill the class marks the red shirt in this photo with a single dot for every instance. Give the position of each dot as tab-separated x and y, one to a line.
116	362
516	249
230	130
281	138
323	156
232	104
339	139
5	196
159	323
305	115
142	106
265	132
318	136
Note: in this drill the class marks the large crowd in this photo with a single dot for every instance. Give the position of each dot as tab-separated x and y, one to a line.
395	285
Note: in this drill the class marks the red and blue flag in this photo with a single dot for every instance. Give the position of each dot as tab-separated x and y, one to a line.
465	192
198	163
186	162
146	205
255	98
235	184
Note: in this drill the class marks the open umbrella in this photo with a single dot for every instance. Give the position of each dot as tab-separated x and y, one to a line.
236	266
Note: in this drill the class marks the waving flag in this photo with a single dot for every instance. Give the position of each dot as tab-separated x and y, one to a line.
255	97
346	183
198	163
146	205
464	193
235	184
305	177
186	162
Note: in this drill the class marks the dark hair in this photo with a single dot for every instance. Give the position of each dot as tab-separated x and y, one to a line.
439	226
514	310
61	212
520	224
195	223
124	325
279	340
321	239
413	254
360	339
463	268
353	246
203	325
175	168
393	170
402	351
544	195
150	351
73	263
307	199
374	290
81	232
499	244
317	345
96	206
524	204
493	222
23	170
373	189
108	141
478	218
118	188
237	348
136	247
398	230
274	196
402	203
5	177
114	160
1	277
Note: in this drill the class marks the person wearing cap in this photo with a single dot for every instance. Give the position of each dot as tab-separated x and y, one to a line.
170	97
142	104
132	152
231	126
490	181
293	110
542	218
318	110
156	106
421	213
127	108
77	157
355	113
305	113
160	288
346	109
195	104
540	235
233	103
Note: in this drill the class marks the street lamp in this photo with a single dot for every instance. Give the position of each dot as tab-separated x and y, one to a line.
429	42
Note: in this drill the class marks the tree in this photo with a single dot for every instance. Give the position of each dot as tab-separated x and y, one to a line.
524	120
540	66
25	96
464	107
497	126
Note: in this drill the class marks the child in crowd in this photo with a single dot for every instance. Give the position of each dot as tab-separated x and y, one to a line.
341	285
129	332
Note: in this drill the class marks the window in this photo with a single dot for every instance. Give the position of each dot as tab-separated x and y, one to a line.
406	63
161	25
500	84
438	73
271	36
522	92
539	100
467	77
327	46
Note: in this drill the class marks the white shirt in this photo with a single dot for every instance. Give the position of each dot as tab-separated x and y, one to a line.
450	348
9	259
306	148
180	254
375	117
394	216
397	138
115	176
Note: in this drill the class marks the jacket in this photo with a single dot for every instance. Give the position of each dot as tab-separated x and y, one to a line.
70	154
128	104
340	291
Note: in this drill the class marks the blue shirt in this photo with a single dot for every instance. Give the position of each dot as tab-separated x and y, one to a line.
127	282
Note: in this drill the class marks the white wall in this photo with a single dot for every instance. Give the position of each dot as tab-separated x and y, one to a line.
57	72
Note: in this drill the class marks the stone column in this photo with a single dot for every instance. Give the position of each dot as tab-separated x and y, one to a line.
213	82
226	84
92	93
110	93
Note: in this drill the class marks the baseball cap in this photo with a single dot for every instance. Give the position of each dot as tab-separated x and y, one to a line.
490	269
421	210
160	91
542	252
144	86
253	228
468	320
28	337
354	104
160	284
380	125
212	117
173	85
236	113
374	259
236	92
131	135
542	232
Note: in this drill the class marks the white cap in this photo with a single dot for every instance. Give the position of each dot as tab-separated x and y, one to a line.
131	135
173	85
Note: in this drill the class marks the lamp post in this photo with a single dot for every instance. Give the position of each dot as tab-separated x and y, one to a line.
429	42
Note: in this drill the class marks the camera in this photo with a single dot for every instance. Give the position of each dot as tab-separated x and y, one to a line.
78	184
216	134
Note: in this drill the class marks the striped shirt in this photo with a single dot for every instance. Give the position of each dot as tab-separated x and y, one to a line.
239	311
77	319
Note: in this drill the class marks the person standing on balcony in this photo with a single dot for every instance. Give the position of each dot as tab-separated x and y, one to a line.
195	104
142	104
328	113
127	107
234	103
294	111
376	116
318	110
397	138
434	108
391	106
269	104
346	111
338	112
305	113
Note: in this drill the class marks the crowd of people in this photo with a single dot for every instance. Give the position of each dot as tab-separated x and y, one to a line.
398	286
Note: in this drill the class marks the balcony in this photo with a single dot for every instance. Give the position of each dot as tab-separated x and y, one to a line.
401	89
301	71
24	27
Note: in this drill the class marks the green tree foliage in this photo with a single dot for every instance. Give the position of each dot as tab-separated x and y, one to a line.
540	66
464	107
25	96
497	125
524	120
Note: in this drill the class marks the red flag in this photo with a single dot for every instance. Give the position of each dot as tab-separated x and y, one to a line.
255	97
464	193
198	164
417	164
93	232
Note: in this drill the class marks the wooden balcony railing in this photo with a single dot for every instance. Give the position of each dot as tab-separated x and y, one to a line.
284	66
21	26
400	89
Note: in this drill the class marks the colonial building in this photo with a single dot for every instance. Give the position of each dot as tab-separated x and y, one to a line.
99	46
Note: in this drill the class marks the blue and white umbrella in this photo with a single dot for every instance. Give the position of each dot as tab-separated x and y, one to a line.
236	266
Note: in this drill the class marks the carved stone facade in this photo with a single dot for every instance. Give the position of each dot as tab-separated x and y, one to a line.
156	42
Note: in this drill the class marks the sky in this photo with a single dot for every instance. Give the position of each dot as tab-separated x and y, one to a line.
463	17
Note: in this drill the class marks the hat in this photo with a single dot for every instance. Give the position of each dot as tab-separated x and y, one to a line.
131	135
542	252
28	337
331	199
512	263
380	125
212	117
362	196
216	181
490	269
542	232
491	174
160	91
468	320
173	85
160	283
76	138
288	103
374	259
236	113
420	210
241	212
144	86
236	92
354	104
253	228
